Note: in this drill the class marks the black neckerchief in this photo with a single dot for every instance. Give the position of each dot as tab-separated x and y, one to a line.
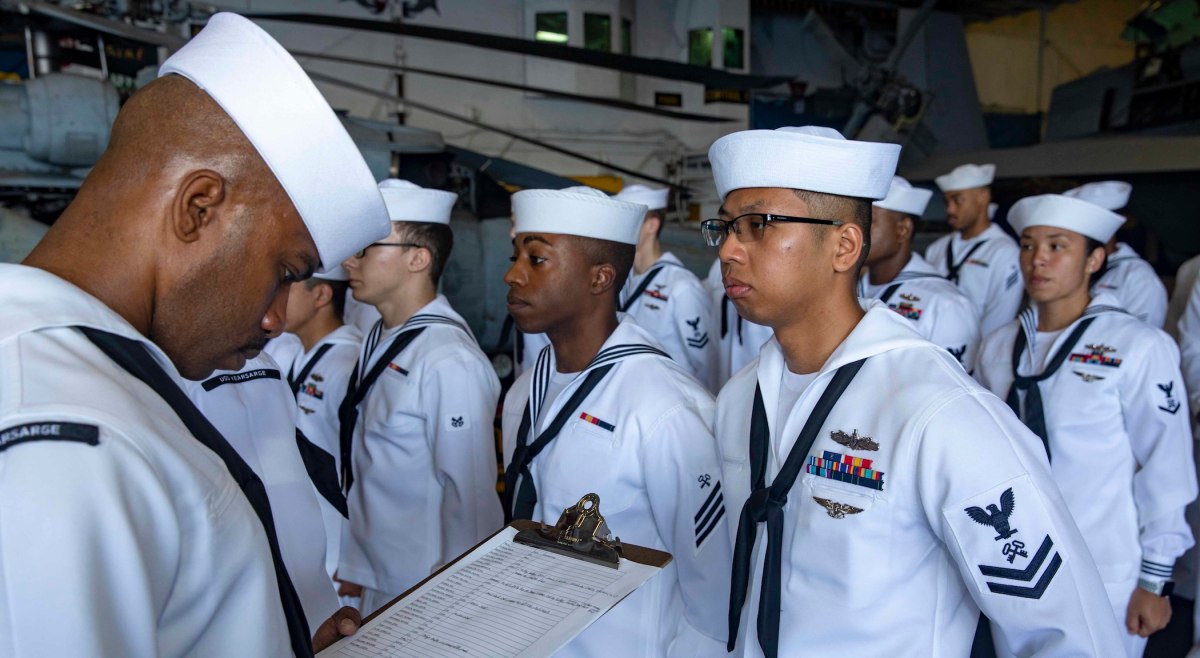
520	495
135	359
766	503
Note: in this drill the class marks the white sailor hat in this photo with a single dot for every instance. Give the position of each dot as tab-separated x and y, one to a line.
1065	212
581	211
276	106
335	273
965	177
903	197
409	202
652	198
1108	194
803	158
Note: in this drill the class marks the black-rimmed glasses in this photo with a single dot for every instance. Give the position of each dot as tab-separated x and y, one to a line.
363	252
751	226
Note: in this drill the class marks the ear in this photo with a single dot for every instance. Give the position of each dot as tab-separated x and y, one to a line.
196	203
420	259
905	228
323	295
604	276
650	225
848	246
1095	260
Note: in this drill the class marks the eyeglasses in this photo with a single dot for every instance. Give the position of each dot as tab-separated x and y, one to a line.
751	226
363	252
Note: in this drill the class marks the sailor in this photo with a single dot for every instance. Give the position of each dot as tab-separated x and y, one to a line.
664	296
1104	393
128	525
978	257
317	376
739	339
606	411
1187	287
254	410
883	498
1126	275
910	286
418	448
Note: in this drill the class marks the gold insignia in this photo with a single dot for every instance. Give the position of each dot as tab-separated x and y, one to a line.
853	441
909	297
1100	348
835	509
1087	377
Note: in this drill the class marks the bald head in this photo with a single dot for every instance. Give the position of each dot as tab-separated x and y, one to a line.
195	239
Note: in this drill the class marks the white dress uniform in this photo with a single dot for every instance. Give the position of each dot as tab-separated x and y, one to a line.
989	273
423	458
318	379
284	348
1135	285
120	533
883	552
642	441
254	410
739	339
1189	347
937	308
670	303
1119	440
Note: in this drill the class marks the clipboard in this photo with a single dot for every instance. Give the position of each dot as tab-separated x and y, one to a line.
526	579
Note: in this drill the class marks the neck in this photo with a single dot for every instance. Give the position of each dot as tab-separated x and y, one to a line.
1058	314
316	329
979	226
809	340
399	309
576	343
887	269
647	255
127	290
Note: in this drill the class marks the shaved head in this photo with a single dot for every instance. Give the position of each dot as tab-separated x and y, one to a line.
183	230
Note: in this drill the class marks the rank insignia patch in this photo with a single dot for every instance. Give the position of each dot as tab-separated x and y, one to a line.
1087	377
1172	405
710	513
1012	280
844	468
835	509
1014	550
312	390
908	297
1096	356
996	517
853	441
957	352
458	422
597	422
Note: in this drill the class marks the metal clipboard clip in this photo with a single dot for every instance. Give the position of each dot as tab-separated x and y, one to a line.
580	533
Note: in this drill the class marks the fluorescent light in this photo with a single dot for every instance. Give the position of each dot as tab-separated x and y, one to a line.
553	37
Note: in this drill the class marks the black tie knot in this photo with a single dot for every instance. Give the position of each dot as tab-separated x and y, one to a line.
760	503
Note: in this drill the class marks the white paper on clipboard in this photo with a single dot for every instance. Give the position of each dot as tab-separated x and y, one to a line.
503	600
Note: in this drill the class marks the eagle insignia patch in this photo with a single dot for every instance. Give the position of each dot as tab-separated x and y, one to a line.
835	509
853	441
996	518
